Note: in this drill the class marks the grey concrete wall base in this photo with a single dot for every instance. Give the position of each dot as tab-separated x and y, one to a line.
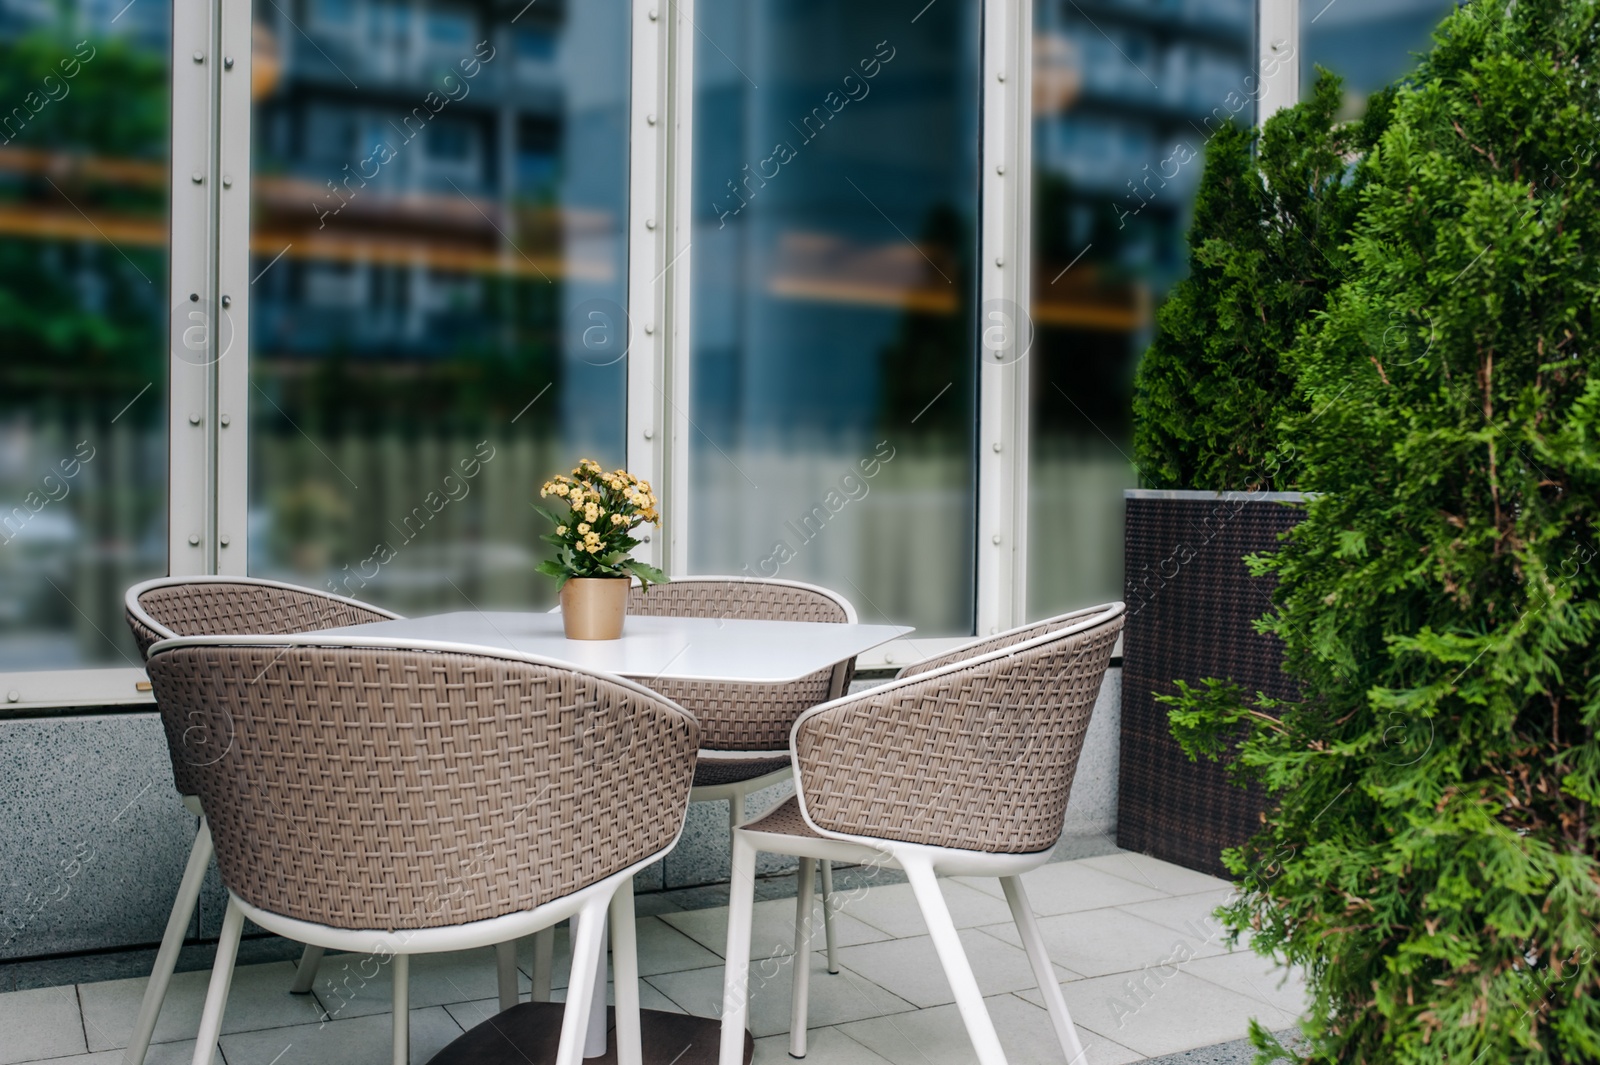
93	839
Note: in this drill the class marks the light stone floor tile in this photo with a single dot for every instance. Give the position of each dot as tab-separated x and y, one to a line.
834	999
1164	1011
1067	887
772	933
259	999
1157	978
1100	942
649	997
42	1022
937	1036
356	1041
1189	914
824	1046
1154	873
1248	973
910	967
893	907
362	985
160	1054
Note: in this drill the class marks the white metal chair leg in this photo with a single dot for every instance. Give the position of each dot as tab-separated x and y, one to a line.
969	1000
625	976
1043	971
505	962
827	913
587	926
799	1005
544	963
736	959
205	1047
305	977
155	992
401	1017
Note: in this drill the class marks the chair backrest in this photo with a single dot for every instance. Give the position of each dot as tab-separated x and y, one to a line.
212	606
380	787
166	607
748	717
1010	638
978	754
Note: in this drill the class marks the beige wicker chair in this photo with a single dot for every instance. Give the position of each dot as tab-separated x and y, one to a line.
961	768
456	800
745	727
198	606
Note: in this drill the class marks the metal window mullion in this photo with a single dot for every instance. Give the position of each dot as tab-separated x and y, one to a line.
658	265
192	289
232	378
1277	56
1006	265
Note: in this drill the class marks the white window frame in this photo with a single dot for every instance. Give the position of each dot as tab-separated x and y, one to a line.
210	257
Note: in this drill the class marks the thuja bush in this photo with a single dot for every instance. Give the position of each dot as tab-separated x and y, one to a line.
1265	247
1431	856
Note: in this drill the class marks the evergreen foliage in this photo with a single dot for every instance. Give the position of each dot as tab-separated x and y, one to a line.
1265	248
1431	860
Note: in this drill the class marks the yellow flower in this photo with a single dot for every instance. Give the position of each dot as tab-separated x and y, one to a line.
582	528
560	490
591	512
617	519
561	530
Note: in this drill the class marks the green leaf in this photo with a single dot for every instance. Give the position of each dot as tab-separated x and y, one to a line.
646	573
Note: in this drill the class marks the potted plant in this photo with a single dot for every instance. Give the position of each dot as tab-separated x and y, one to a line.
1429	859
1266	246
592	538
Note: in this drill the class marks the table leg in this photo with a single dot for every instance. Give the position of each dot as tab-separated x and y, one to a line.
594	1044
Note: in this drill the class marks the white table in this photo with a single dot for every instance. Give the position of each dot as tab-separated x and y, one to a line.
651	648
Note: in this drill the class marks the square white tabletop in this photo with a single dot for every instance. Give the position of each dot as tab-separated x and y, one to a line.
714	649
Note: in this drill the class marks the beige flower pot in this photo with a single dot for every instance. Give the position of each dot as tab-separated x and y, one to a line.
592	608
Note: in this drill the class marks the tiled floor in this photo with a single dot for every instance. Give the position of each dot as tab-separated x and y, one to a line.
1143	966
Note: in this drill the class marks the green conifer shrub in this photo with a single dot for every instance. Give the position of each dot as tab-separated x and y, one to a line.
1431	857
1265	247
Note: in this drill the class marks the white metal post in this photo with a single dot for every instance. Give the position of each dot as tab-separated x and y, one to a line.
1277	56
230	489
1004	324
192	293
659	221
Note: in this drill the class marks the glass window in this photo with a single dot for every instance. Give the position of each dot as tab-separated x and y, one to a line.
418	364
834	394
1368	43
83	325
1119	140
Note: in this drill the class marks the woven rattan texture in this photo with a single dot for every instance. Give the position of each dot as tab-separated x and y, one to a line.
212	608
387	789
746	717
709	772
1191	605
784	819
978	758
1009	638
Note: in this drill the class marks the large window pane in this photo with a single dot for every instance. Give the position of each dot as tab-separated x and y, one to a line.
1125	97
440	271
835	237
83	325
1368	43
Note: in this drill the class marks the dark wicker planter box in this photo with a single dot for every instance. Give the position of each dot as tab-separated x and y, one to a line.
1191	603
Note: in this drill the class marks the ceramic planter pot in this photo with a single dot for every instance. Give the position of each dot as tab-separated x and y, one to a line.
592	608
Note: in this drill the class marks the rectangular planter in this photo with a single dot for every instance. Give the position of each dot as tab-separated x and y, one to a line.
1191	604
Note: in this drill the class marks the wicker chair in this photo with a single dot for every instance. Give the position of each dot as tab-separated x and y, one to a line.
456	800
962	768
198	606
745	727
